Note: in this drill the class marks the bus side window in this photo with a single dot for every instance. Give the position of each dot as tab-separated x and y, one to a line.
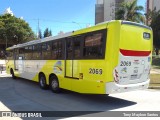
93	45
46	51
16	54
54	49
57	49
28	53
37	52
10	55
77	47
21	52
69	49
60	49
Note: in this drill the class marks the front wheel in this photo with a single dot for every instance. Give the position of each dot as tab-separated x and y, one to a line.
12	73
54	84
42	81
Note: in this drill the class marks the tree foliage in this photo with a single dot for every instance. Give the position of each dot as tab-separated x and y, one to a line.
153	20
15	30
47	32
131	12
151	16
155	24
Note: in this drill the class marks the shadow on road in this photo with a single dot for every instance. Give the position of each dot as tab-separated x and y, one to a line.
25	95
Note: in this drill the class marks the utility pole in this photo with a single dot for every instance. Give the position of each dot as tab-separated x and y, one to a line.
38	29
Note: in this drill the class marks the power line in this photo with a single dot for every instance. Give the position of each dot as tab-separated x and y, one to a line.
58	21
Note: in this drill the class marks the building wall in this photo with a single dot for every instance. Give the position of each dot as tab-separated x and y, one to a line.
151	4
100	1
99	13
156	3
109	10
105	9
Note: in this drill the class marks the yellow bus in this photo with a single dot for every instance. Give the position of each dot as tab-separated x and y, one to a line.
107	58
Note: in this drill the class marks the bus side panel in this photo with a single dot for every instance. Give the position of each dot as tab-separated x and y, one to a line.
9	65
39	66
93	72
57	68
112	49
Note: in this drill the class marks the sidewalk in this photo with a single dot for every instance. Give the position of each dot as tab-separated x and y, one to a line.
155	71
155	79
4	74
2	62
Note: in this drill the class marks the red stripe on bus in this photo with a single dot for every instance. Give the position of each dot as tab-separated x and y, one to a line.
134	53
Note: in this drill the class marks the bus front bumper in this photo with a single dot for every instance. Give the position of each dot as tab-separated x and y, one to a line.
112	87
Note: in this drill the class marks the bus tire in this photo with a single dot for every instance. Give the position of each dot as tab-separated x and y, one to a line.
12	73
54	84
42	82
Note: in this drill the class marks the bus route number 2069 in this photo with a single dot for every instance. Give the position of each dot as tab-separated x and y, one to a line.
125	63
95	71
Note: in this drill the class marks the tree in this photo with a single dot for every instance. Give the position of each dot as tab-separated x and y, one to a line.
50	33
14	30
47	32
131	12
152	19
155	24
151	16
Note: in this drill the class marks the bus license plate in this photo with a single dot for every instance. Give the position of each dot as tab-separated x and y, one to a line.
133	77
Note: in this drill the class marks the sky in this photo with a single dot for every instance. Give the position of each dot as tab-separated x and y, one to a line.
57	15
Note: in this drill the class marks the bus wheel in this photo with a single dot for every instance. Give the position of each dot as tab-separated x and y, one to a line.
12	73
54	84
42	81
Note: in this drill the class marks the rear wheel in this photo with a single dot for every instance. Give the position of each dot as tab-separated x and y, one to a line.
54	84
42	81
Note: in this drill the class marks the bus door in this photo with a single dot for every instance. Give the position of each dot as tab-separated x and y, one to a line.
16	53
21	64
21	60
71	57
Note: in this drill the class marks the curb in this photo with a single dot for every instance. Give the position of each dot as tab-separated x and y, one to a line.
154	87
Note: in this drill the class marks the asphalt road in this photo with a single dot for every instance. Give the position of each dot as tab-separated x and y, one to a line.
25	95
